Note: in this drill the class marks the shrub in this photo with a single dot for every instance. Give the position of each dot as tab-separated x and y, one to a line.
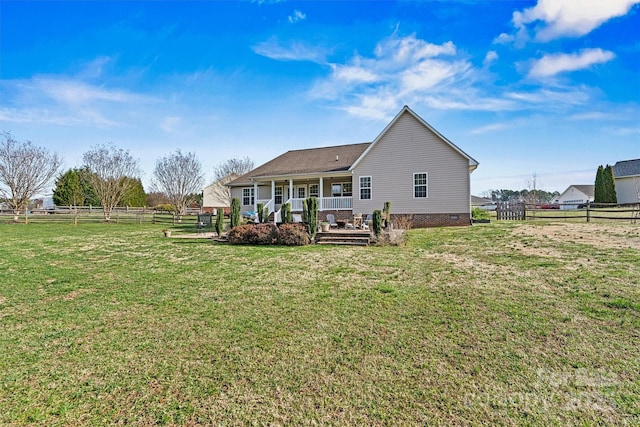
235	212
254	234
403	222
478	213
285	213
312	216
377	222
387	214
305	211
260	212
164	207
293	235
219	224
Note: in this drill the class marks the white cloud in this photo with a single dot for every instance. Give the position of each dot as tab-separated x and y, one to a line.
400	71
504	38
551	65
490	58
65	101
294	51
569	18
488	128
297	17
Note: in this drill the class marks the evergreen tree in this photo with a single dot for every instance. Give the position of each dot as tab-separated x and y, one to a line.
609	185
219	221
599	190
235	212
135	197
73	189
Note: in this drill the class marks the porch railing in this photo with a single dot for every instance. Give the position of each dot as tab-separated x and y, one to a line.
337	203
327	203
268	203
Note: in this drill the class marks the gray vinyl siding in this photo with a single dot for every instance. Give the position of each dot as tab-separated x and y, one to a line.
626	189
406	148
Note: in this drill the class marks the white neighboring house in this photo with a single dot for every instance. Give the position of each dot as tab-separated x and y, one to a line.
627	179
575	196
217	195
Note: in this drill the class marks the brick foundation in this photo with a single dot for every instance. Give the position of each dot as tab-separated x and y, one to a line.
410	220
432	220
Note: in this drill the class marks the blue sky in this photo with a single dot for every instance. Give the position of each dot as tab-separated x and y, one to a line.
545	87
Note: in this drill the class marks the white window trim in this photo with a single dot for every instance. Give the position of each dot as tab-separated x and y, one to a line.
426	184
275	189
309	190
360	188
252	196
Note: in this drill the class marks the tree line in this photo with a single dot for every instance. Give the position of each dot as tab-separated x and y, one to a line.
109	177
529	196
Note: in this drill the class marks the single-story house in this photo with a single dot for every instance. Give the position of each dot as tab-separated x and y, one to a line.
409	164
626	174
483	203
575	196
217	196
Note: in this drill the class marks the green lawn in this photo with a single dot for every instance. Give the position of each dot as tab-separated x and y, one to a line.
497	324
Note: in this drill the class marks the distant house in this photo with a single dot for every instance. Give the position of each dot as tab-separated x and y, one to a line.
217	195
627	179
575	196
483	203
410	164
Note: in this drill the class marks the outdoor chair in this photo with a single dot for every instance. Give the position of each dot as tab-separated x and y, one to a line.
367	222
331	219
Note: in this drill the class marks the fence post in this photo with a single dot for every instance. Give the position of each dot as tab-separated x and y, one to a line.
588	211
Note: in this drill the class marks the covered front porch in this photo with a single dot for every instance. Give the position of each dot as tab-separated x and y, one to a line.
333	193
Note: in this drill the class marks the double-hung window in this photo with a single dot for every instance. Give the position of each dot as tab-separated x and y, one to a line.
278	196
365	188
420	185
314	190
247	196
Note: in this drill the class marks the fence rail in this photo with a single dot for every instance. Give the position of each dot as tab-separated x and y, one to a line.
93	214
568	212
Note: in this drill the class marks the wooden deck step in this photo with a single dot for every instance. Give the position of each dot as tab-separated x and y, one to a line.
339	237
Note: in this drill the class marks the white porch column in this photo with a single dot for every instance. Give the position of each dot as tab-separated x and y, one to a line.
255	197
291	188
273	197
320	195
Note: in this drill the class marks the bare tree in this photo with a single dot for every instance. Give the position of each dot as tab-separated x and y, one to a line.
231	166
111	170
226	172
180	177
25	170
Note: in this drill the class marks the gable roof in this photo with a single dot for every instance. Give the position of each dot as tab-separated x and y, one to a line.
473	164
223	181
626	168
336	159
587	189
321	161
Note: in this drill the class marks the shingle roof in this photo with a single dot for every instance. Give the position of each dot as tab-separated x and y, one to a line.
626	168
588	189
308	161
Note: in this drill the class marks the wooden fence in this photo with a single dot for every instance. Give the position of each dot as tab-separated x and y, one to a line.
92	214
582	212
511	211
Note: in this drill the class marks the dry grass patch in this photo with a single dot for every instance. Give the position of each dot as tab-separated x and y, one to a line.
103	325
